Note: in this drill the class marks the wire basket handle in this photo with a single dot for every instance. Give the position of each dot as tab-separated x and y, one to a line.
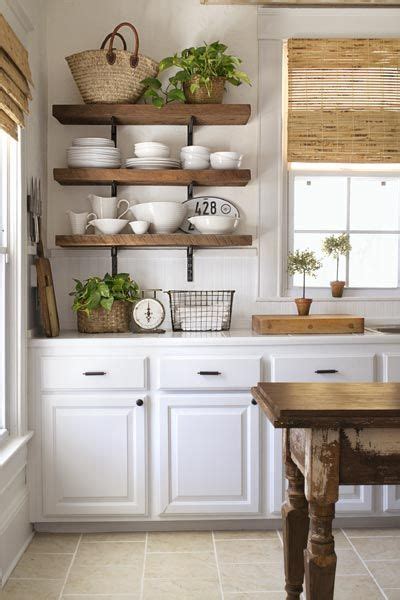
111	56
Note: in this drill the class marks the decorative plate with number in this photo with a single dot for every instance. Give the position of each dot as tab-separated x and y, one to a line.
207	205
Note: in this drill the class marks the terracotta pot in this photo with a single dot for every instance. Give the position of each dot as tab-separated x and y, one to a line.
213	95
303	306
337	288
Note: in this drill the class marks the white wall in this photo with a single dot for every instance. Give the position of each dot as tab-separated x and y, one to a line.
164	27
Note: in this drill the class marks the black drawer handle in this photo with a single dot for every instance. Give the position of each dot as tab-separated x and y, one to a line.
94	373
326	371
139	402
208	373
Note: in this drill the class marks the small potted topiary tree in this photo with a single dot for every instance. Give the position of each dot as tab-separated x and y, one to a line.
306	263
337	246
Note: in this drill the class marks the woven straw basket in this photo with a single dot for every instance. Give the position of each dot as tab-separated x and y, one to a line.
116	320
112	76
201	95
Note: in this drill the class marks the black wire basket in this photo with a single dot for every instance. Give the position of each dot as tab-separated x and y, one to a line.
201	310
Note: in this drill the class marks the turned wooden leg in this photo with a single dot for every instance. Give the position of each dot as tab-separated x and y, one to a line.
320	557
295	526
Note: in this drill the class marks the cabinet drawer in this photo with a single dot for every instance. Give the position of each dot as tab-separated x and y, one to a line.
323	369
93	372
209	373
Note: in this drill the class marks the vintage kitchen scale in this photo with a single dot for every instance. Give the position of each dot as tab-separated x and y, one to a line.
148	313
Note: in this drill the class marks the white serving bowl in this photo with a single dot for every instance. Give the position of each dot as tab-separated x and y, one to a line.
109	226
229	155
224	162
197	163
152	152
139	227
195	150
164	217
214	223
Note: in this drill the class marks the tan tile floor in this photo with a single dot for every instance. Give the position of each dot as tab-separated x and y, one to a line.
219	565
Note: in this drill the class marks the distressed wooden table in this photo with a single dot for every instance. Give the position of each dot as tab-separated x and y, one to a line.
334	434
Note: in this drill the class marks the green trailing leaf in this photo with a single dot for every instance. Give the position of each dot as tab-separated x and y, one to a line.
198	66
97	292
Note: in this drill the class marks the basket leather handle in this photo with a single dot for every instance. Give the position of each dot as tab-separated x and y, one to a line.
111	56
108	37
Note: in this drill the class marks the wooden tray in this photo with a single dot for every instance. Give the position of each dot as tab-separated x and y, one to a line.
312	324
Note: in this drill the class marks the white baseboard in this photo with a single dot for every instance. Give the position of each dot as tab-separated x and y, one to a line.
14	563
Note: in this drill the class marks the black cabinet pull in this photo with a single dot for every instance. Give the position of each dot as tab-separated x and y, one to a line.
208	373
254	402
139	402
326	371
94	373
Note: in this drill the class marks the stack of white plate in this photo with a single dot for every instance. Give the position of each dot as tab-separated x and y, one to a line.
94	156
151	150
152	163
93	141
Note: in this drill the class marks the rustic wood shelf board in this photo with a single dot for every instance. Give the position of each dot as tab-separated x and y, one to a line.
153	240
145	114
311	324
178	177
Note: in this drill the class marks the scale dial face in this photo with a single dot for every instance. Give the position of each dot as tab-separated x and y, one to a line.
148	313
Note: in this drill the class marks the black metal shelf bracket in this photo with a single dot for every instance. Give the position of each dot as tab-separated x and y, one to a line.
114	130
114	186
189	261
190	191
114	260
190	126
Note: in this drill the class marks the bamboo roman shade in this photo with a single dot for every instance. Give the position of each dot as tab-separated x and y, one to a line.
15	80
344	100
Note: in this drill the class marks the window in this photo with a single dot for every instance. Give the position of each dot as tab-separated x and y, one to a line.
9	194
364	205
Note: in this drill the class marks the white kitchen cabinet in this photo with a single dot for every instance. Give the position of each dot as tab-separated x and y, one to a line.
209	455
391	374
316	368
94	455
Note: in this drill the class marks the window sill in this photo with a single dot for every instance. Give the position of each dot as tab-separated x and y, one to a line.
11	445
316	299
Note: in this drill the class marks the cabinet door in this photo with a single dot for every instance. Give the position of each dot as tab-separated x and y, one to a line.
391	374
210	447
310	368
94	456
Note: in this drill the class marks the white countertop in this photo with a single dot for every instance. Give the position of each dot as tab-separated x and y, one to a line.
243	337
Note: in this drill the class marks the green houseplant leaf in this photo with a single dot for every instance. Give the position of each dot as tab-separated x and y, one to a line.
96	292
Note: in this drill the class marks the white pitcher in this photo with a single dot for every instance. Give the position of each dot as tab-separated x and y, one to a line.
107	208
79	221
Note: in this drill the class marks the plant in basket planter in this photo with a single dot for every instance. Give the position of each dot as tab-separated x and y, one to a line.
200	78
104	305
306	263
337	246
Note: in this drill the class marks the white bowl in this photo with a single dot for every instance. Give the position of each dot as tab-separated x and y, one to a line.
229	155
214	224
156	152
164	217
109	226
195	150
139	227
196	163
221	162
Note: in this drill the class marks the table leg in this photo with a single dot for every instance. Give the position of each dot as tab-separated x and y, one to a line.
320	557
295	526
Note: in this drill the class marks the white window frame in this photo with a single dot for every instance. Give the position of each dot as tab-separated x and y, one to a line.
335	171
15	297
275	27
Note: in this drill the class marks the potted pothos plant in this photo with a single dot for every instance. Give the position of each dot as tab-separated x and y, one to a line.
104	305
305	263
337	246
200	76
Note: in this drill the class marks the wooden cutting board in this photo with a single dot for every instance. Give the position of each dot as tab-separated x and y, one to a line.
312	324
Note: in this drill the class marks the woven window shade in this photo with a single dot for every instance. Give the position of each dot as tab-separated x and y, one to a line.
15	80
344	100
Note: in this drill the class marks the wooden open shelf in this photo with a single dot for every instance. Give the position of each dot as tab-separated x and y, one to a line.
181	240
145	114
179	177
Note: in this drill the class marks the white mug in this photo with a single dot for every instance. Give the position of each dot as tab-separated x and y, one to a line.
107	208
79	221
